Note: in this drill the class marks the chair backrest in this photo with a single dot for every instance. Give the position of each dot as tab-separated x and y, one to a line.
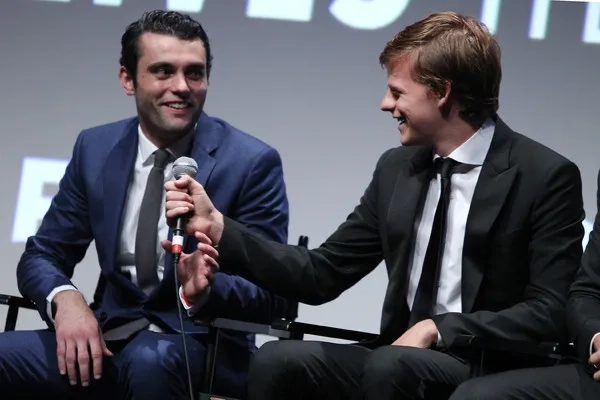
293	310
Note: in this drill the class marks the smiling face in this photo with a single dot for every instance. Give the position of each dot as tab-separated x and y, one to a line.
170	85
416	108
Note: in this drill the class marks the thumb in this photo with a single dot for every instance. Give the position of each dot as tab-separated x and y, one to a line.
190	184
167	245
183	182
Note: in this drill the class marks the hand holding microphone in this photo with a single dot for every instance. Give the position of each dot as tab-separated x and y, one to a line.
185	197
183	166
187	208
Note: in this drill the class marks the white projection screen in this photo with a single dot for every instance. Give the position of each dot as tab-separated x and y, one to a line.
302	75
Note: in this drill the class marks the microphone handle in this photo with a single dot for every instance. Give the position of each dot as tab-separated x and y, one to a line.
177	241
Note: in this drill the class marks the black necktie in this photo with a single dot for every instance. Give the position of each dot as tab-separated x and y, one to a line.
426	296
146	257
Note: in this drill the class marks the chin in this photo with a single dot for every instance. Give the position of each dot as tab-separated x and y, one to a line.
406	139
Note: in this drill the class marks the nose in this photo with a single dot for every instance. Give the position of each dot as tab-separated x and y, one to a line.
179	84
387	103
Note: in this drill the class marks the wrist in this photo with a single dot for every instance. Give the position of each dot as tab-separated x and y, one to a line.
216	227
186	300
66	298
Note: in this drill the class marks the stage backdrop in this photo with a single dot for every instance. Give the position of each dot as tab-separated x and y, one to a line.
301	75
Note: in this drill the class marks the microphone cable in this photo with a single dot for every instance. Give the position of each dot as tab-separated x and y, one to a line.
183	336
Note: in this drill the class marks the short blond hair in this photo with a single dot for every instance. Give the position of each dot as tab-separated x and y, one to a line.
450	47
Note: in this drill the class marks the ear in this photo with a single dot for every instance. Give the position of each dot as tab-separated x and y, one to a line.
444	96
127	81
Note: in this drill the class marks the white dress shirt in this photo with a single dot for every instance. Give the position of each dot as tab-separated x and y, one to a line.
137	186
472	153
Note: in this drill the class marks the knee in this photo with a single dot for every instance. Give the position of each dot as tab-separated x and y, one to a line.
387	365
279	367
476	389
151	360
279	357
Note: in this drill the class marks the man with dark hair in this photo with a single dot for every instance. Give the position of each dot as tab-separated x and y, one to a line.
479	227
112	191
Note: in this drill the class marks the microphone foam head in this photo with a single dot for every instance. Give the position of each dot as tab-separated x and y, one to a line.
185	166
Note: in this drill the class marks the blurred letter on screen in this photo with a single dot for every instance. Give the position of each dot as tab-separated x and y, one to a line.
285	10
490	13
32	203
110	3
539	19
190	6
591	28
368	15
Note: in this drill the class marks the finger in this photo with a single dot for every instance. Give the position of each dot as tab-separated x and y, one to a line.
71	360
166	245
61	348
174	212
202	237
178	196
171	204
213	265
597	376
83	360
96	352
208	250
171	187
595	358
183	182
105	349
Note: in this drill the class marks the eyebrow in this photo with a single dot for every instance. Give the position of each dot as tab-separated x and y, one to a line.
396	89
165	64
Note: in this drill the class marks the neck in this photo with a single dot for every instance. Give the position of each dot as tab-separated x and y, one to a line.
453	135
163	140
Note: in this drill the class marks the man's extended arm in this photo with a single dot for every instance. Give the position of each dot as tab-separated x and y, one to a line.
309	276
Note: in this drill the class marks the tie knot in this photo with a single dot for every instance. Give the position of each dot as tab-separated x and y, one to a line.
446	166
161	158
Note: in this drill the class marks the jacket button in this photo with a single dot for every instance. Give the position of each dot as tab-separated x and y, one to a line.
102	317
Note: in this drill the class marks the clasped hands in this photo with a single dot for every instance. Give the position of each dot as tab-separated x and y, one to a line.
196	271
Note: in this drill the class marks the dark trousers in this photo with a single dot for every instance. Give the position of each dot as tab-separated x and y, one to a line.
314	370
148	366
290	369
562	382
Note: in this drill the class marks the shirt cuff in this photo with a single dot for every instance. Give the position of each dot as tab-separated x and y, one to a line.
50	297
193	309
592	343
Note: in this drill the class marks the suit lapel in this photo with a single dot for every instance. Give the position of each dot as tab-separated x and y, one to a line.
494	184
116	176
206	141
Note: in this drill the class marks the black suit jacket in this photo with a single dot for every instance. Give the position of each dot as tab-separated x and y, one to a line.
583	312
522	245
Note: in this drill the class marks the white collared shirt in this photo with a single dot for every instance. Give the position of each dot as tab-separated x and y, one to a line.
462	187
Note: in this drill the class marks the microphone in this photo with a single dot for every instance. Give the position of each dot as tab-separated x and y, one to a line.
182	166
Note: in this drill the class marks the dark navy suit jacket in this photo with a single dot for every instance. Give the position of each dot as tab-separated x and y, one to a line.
243	177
